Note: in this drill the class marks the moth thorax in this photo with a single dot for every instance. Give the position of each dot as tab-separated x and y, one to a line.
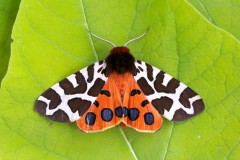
121	61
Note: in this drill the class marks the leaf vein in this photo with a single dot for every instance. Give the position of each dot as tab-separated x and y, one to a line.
87	27
167	147
129	145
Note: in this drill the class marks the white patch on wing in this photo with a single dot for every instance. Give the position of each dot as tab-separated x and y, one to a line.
43	99
58	89
72	79
166	79
193	99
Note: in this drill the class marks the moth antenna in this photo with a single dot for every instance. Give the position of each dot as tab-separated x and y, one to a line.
134	39
105	40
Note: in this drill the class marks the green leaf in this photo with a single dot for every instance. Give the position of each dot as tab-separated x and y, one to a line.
8	12
51	42
222	13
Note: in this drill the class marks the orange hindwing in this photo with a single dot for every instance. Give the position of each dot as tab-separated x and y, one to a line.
120	101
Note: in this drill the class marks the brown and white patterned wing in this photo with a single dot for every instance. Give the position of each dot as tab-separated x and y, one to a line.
69	99
173	99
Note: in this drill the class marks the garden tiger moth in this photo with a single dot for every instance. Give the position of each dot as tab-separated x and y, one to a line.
119	90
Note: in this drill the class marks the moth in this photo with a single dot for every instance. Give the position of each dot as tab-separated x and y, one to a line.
119	90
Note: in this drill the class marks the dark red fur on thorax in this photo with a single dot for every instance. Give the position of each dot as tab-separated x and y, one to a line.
121	61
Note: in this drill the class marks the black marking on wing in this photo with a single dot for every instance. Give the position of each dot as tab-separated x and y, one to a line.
149	72
59	115
79	104
106	93
162	104
171	87
197	105
96	88
90	71
54	98
68	88
144	103
134	92
146	88
96	103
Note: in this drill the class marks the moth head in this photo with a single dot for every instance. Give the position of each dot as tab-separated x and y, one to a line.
120	50
120	60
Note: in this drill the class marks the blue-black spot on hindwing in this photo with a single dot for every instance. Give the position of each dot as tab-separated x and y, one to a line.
133	114
125	111
105	92
134	92
107	114
148	118
90	118
144	103
119	111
